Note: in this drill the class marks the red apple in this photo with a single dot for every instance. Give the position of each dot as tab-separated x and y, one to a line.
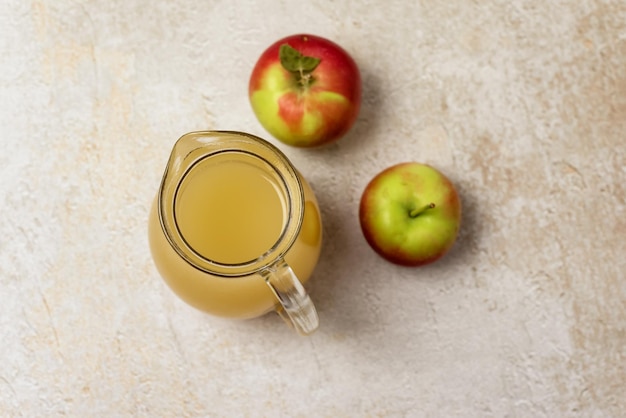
305	90
410	214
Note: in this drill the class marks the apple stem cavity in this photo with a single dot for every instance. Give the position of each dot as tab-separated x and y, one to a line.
417	212
301	66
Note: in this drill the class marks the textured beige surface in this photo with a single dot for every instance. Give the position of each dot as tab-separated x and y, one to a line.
521	103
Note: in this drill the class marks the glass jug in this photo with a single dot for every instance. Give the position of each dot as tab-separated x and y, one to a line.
235	230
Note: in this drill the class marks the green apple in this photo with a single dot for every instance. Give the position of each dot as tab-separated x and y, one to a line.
410	214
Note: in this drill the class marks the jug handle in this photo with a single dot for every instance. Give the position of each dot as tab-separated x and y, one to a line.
295	306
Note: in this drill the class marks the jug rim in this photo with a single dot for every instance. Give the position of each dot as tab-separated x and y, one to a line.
196	146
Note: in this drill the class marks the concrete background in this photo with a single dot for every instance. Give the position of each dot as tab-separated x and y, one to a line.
521	103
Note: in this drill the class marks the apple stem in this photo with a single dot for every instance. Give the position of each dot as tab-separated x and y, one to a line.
417	212
304	78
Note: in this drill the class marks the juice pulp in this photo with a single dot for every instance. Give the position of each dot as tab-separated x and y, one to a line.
231	209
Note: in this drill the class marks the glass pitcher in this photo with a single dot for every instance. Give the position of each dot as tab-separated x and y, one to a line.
235	230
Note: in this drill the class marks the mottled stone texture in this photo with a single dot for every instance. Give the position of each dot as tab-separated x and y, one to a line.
521	103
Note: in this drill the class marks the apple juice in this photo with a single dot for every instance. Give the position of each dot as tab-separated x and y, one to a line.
229	209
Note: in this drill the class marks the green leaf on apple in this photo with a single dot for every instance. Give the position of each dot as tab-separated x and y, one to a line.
300	65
